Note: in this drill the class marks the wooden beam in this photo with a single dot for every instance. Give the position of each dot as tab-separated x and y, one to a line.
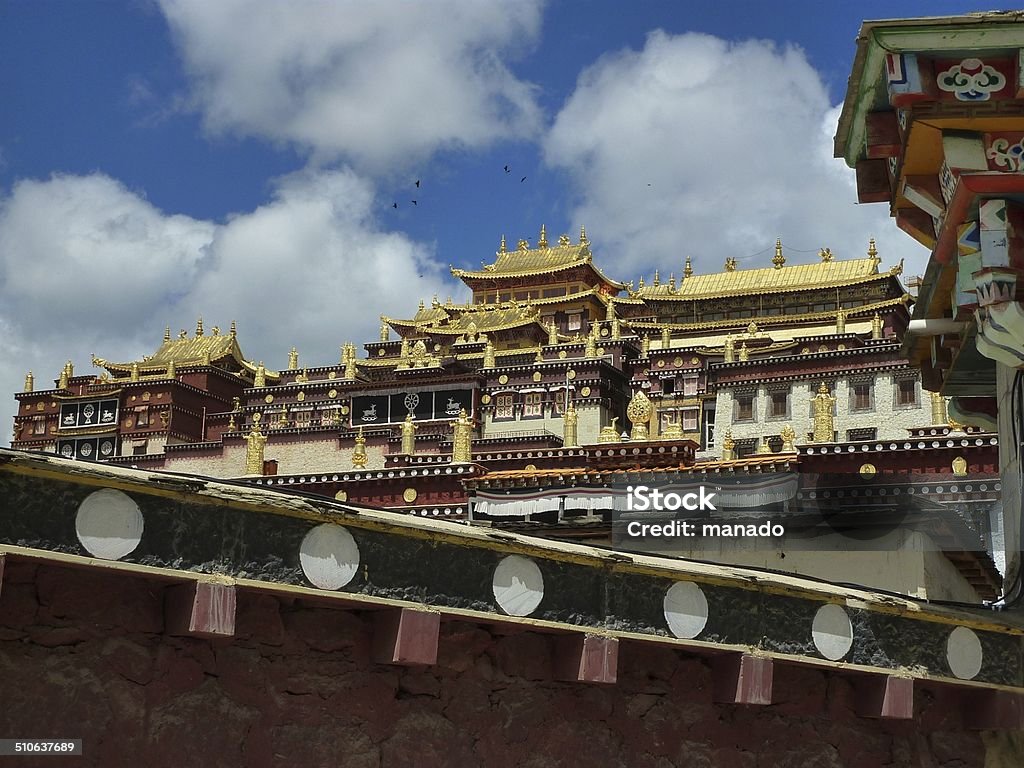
873	184
405	636
2	559
201	608
885	696
883	135
918	224
988	710
740	678
586	659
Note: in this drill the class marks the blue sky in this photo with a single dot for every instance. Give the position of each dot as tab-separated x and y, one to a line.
241	159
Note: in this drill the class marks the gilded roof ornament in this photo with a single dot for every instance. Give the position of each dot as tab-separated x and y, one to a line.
645	346
216	330
234	330
552	333
688	268
30	381
232	425
788	436
167	333
359	452
199	327
825	254
563	240
569	421
503	248
182	334
583	236
256	442
752	328
543	241
744	353
672	283
876	326
872	250
422	305
489	361
730	264
730	349
824	420
657	277
172	371
385	331
261	376
728	445
135	372
522	245
778	260
462	439
639	413
205	358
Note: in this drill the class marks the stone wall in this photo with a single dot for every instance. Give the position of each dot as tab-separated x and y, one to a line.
84	655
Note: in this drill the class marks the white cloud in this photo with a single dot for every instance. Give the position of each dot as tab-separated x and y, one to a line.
87	266
735	141
379	83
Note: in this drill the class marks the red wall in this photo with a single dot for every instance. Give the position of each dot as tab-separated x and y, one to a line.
83	655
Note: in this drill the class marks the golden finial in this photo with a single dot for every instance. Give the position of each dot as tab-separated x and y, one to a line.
282	418
216	330
672	283
489	355
64	378
182	334
350	361
234	330
385	331
640	283
522	245
744	354
261	376
824	419
462	439
172	372
199	327
730	349
543	241
563	240
639	412
645	346
840	321
688	268
135	375
256	442
232	426
657	277
448	302
876	326
434	303
583	236
728	444
503	248
167	333
939	414
30	381
872	251
590	348
569	421
666	337
422	305
205	360
540	356
730	264
408	436
778	260
293	360
788	436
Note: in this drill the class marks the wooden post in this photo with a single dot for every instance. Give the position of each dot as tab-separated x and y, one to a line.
201	608
740	678
586	659
405	636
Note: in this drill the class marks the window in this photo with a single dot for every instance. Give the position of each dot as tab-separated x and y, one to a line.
140	447
575	321
862	396
689	386
690	418
906	393
533	405
557	402
778	404
302	418
142	417
503	406
745	447
743	407
863	433
39	425
668	386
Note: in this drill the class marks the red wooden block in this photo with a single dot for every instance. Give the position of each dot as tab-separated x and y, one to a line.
993	710
918	224
885	696
740	678
586	659
405	636
203	609
883	135
873	185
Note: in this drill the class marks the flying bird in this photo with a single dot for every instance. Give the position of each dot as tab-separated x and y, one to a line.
417	183
394	205
522	180
507	169
414	202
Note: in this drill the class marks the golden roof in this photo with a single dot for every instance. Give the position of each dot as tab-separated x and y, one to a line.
184	351
824	274
476	318
525	261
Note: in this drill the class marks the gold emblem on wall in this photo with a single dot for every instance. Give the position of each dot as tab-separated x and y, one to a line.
332	394
562	354
661	363
570	374
530	468
960	467
344	410
301	396
677	362
341	495
695	360
409	495
585	392
868	471
268	399
485	399
503	379
537	376
332	375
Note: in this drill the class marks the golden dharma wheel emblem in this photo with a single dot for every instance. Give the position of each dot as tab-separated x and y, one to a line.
537	376
695	360
677	362
332	375
301	396
570	374
485	399
585	392
344	410
562	354
268	399
639	409
600	351
381	353
606	332
332	394
257	418
661	363
503	379
805	351
530	468
409	494
341	495
868	471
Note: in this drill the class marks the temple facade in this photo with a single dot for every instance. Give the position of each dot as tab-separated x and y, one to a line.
556	380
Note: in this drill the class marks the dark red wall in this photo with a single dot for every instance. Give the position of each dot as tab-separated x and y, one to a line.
83	654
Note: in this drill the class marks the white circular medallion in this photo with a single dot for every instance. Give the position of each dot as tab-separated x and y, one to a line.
964	654
109	524
686	609
329	556
832	632
518	585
